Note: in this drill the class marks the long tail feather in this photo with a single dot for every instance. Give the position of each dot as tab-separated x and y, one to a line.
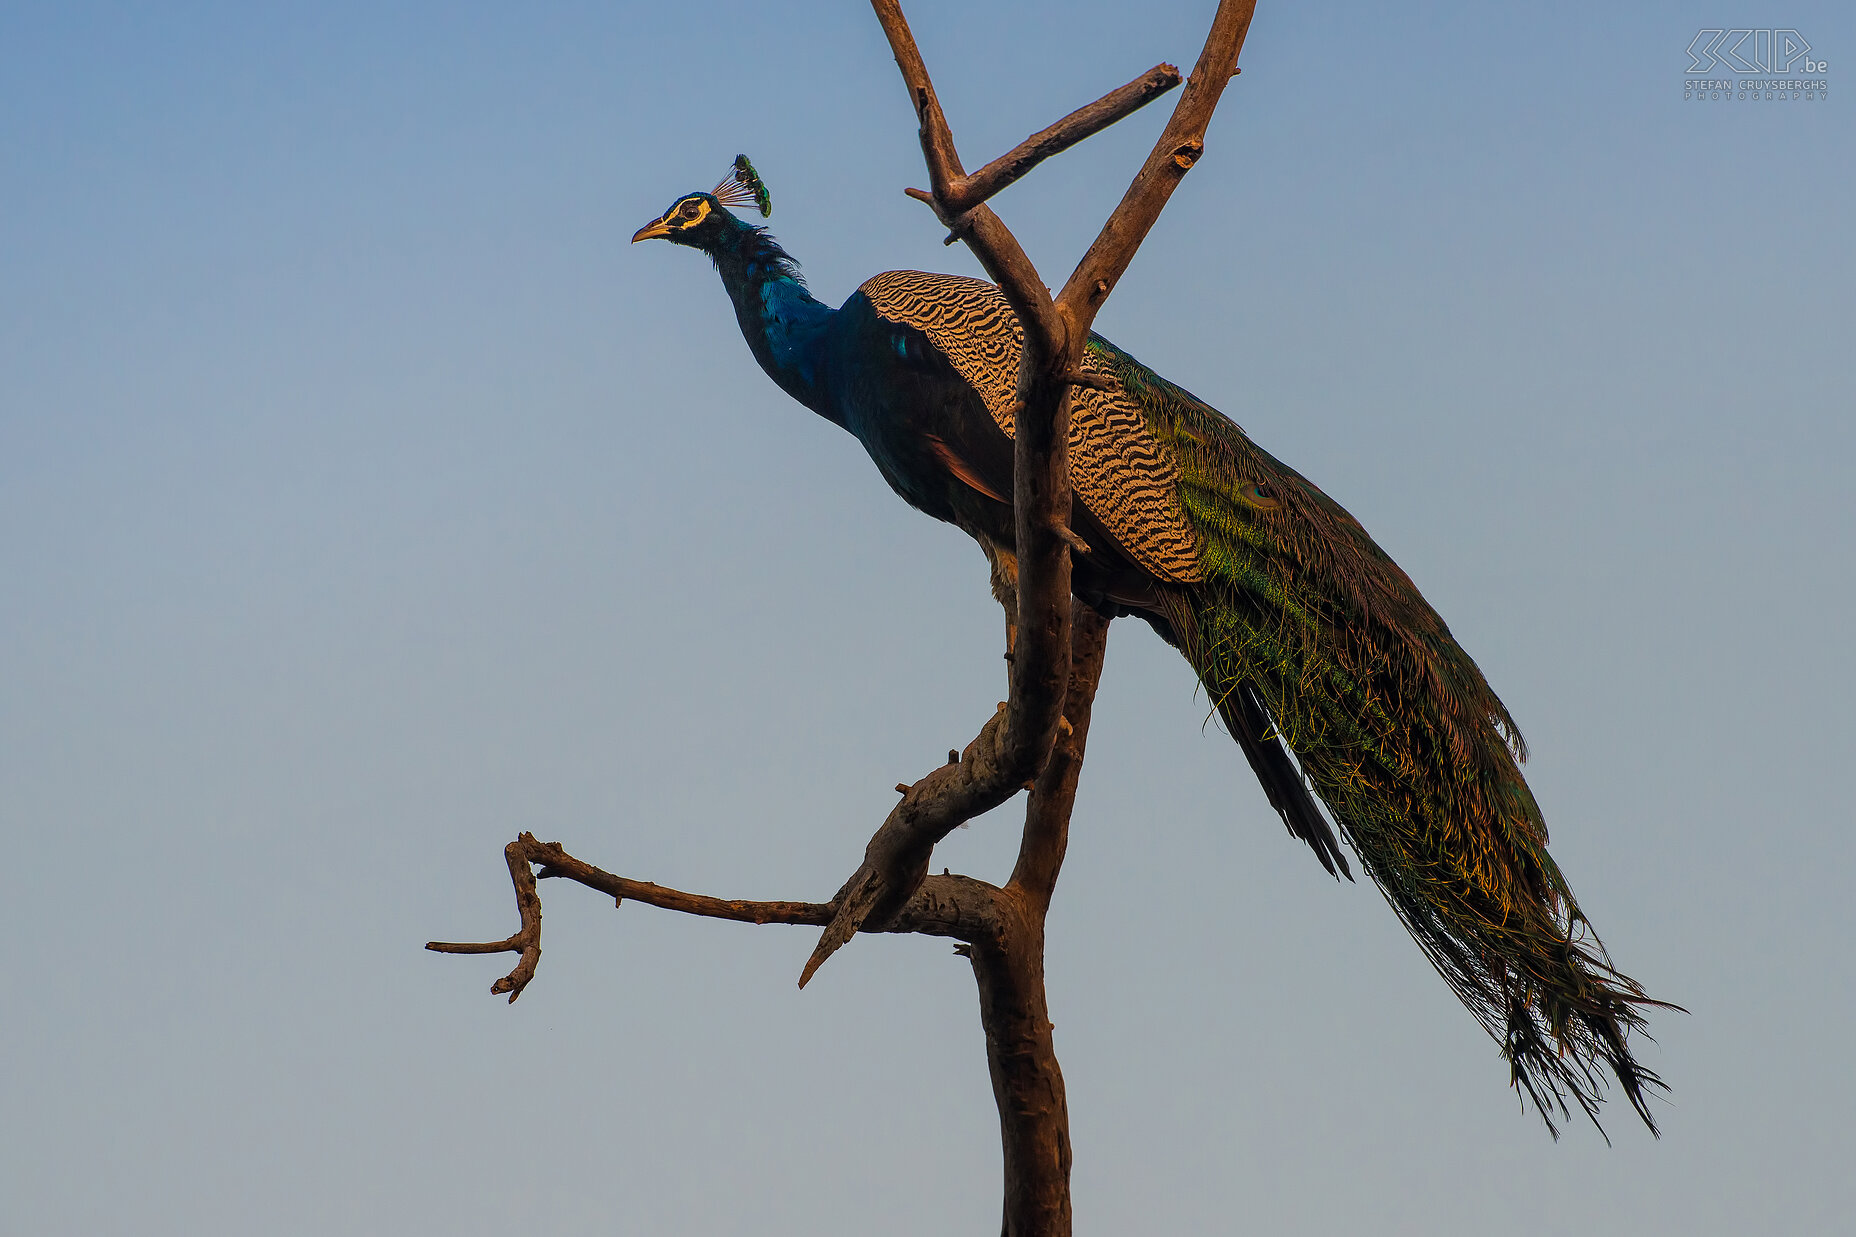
1303	630
1282	782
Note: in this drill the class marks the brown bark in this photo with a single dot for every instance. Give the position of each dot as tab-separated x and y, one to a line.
1014	745
1036	738
1179	147
1027	1083
1083	122
1002	930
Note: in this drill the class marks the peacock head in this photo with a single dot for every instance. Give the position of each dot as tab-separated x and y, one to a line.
702	220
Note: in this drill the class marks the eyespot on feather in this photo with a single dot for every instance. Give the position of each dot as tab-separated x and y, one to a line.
1257	494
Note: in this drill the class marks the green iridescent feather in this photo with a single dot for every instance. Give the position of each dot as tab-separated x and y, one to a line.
746	176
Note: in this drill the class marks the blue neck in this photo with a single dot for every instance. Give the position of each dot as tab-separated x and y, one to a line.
783	323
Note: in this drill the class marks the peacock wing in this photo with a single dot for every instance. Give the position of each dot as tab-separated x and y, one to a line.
1121	473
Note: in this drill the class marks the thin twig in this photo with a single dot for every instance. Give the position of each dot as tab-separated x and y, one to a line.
1084	122
1179	146
947	905
527	940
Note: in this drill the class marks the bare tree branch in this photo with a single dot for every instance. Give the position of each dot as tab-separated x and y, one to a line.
1027	1082
527	940
896	858
1084	122
1178	148
947	905
1053	795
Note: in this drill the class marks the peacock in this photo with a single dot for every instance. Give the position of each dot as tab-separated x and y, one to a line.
1318	653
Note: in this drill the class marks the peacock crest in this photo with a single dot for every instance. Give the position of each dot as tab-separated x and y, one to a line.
742	187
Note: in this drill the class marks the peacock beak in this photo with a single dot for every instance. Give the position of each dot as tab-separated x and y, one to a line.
651	231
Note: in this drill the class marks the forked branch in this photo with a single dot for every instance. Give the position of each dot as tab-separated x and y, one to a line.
951	906
1002	935
1015	745
1082	123
1036	739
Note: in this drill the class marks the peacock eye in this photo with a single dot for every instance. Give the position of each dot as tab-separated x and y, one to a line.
689	210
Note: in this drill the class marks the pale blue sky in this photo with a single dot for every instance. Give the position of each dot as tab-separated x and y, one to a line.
365	498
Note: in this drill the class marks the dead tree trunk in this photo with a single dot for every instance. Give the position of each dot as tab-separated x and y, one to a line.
1035	740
